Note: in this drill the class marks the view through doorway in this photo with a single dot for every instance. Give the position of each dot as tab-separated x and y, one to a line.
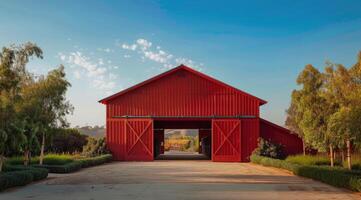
181	141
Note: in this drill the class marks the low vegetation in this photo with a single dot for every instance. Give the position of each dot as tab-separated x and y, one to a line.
269	149
77	164
50	159
320	160
13	176
335	176
311	160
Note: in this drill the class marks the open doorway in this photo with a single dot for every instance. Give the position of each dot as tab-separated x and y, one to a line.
182	140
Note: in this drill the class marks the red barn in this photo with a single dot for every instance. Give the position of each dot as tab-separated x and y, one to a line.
183	98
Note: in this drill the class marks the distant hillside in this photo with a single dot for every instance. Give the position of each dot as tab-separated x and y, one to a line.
95	131
174	133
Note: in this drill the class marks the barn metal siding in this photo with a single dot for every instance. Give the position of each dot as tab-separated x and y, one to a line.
115	134
249	137
183	94
292	143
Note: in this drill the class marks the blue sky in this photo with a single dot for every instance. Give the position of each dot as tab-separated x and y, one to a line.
257	46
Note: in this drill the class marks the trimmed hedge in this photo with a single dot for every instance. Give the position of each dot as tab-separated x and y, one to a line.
18	175
311	160
77	164
50	159
93	161
338	177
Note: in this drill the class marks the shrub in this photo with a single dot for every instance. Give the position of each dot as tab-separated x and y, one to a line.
95	147
67	140
61	169
55	159
336	176
88	162
19	160
77	164
269	149
20	175
50	159
311	160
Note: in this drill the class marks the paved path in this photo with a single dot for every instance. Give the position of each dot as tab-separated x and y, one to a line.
178	180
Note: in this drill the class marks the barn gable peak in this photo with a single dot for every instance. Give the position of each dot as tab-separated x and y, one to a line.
171	71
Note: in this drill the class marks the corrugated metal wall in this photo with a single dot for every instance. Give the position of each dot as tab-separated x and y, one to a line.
249	137
115	134
183	94
292	143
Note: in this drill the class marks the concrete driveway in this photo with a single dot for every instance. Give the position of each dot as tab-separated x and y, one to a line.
178	180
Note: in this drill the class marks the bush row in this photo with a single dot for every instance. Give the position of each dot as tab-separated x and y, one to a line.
77	164
18	175
336	176
50	159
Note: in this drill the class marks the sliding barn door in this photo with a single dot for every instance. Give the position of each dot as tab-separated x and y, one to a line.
226	140
139	139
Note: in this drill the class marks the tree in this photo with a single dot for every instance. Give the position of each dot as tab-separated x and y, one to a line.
294	117
66	140
343	89
45	102
327	109
13	75
309	110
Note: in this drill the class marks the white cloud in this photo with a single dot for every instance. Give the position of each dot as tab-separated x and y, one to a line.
144	44
132	47
144	49
99	76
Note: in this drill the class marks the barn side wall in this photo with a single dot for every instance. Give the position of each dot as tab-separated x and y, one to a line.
277	134
249	137
115	137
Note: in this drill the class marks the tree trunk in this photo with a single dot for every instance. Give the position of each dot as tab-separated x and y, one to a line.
348	155
342	155
26	157
304	147
331	155
2	160
42	150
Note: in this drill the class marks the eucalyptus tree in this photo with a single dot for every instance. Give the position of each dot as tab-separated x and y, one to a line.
44	100
309	111
13	75
343	89
294	117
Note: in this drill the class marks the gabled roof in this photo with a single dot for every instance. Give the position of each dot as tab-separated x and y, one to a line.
180	67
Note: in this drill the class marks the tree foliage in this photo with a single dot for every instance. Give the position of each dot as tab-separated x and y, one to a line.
66	140
29	105
326	110
13	76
